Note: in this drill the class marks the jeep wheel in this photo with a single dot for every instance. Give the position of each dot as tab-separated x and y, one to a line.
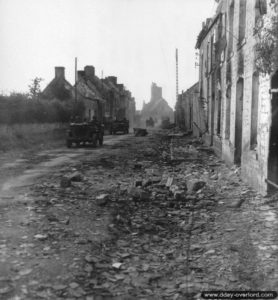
69	144
94	140
100	140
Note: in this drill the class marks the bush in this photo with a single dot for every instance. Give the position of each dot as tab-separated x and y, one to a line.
20	109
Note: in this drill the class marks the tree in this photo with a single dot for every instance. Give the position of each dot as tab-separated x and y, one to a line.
35	88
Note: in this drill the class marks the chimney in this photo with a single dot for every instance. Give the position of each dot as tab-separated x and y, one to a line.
121	86
80	74
60	72
89	71
113	79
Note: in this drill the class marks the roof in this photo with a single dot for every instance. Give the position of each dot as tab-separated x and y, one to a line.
87	90
209	24
58	88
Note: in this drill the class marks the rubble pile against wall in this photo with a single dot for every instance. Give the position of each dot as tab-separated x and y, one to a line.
181	222
235	101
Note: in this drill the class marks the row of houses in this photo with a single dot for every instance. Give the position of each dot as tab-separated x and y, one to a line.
234	105
104	98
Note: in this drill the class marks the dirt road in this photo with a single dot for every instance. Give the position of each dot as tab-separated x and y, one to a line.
156	217
25	259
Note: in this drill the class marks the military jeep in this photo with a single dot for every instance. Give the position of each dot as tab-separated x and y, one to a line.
119	126
87	132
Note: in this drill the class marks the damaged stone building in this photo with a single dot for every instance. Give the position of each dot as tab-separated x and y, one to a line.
103	98
157	107
189	112
238	98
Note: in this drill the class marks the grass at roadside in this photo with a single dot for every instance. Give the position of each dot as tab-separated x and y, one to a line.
26	136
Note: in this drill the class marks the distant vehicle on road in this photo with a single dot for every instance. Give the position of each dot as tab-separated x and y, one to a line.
150	122
120	126
87	132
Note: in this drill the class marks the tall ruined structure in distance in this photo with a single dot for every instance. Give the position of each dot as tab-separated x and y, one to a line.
158	107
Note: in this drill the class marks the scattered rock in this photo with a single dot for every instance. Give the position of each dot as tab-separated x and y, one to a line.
138	182
59	287
41	237
117	265
195	185
91	259
76	176
139	194
102	199
140	132
5	290
65	182
236	203
179	195
74	285
169	181
25	272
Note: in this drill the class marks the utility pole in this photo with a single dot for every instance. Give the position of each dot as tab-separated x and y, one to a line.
177	75
75	75
177	84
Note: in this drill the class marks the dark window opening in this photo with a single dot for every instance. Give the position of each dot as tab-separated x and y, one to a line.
207	62
208	105
254	111
212	106
211	53
231	30
242	21
240	67
228	112
220	27
238	121
229	72
273	142
218	127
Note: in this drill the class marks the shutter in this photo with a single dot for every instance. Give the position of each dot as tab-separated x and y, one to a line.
263	7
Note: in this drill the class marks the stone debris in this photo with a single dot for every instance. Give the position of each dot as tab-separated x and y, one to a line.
65	182
76	176
140	132
102	199
149	225
195	185
41	237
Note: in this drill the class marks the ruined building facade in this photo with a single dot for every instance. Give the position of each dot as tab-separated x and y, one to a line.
239	110
157	108
104	98
189	111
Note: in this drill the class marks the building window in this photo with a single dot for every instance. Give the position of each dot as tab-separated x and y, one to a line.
224	22
228	112
211	52
207	61
231	29
219	108
242	21
254	111
208	105
220	27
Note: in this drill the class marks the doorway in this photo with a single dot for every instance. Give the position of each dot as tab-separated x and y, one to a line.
273	141
212	107
238	121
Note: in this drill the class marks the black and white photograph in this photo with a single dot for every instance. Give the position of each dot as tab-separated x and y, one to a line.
138	149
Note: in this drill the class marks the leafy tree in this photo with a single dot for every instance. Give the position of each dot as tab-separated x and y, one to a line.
35	88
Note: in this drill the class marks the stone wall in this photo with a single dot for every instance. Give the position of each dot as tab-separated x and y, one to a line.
236	68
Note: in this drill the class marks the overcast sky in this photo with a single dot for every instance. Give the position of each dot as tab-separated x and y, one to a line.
134	40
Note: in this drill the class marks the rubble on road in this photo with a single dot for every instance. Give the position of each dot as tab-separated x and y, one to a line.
140	132
156	218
